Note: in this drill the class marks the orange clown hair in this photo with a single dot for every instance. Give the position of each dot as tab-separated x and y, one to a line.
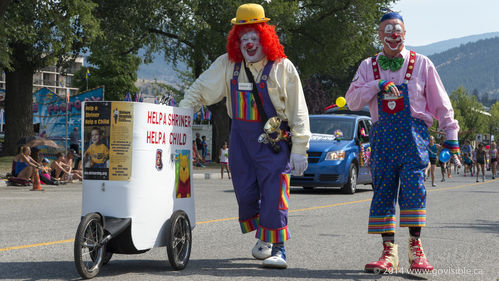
268	38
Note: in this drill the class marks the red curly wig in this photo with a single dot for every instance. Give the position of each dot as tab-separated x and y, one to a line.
268	38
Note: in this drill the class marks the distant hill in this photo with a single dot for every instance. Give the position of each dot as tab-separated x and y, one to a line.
442	46
160	70
473	65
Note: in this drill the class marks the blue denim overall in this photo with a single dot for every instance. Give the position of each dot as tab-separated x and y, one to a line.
260	176
399	153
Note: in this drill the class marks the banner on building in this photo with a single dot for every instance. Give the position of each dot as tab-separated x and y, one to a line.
49	110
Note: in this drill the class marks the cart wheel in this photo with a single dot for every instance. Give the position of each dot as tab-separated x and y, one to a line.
178	240
107	258
88	253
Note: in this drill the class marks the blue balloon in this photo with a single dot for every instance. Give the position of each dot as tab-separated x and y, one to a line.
444	155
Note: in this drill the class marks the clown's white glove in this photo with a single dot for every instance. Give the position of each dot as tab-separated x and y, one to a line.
298	164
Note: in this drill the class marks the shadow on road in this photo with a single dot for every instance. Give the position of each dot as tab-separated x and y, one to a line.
323	190
480	225
483	191
204	267
233	268
316	190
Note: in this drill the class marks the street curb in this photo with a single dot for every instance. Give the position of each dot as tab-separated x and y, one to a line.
206	176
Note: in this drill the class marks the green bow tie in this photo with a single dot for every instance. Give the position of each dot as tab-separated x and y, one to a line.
392	64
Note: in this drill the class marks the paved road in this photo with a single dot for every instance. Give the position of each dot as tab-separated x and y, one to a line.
329	236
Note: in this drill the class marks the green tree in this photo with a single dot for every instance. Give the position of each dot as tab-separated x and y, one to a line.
116	73
4	49
328	39
469	113
494	120
3	6
39	33
114	55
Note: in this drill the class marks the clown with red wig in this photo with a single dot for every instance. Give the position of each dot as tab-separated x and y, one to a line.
255	63
404	94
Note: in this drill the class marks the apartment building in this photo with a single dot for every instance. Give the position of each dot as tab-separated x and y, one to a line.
51	77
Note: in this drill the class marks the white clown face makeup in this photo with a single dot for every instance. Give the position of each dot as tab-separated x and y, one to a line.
392	33
250	46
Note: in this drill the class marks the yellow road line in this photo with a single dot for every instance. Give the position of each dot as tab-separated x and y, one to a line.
329	206
235	218
217	220
36	245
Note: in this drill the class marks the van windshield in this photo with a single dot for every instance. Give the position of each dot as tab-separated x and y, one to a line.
330	125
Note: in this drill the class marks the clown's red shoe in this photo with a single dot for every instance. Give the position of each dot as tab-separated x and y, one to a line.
388	262
417	258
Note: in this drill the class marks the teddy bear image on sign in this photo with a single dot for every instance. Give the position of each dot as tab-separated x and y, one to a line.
183	174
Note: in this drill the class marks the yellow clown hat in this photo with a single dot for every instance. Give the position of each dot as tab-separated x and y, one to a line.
249	13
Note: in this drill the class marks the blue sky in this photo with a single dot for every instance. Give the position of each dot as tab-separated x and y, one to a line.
430	21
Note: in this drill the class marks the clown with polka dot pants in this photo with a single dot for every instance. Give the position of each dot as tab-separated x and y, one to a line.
404	93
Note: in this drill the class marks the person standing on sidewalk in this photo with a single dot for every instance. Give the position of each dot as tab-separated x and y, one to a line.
258	80
199	147
493	159
433	148
466	150
74	140
404	94
443	165
196	157
224	159
204	151
481	159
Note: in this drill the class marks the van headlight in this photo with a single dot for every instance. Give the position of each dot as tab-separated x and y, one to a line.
335	155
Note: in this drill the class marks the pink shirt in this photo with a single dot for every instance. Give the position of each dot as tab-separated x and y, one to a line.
427	94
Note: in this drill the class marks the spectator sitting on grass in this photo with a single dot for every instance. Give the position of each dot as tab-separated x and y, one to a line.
26	167
60	170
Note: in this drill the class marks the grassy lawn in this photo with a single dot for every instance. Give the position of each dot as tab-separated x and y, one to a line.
5	164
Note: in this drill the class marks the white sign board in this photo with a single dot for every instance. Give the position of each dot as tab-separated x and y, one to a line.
479	138
141	166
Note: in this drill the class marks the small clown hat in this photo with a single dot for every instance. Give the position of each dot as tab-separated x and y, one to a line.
249	13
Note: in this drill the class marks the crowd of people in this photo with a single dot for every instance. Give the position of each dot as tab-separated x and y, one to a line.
476	161
29	162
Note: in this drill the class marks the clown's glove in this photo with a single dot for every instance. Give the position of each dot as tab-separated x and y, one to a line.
298	164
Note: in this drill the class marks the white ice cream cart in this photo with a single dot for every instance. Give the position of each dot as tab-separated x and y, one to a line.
137	188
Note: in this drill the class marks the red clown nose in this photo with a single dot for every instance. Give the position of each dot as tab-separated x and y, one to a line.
249	46
395	35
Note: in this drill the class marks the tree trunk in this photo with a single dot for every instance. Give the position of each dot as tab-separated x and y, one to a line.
4	4
18	101
221	127
220	120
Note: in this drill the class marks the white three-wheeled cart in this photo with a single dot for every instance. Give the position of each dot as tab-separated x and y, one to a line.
137	188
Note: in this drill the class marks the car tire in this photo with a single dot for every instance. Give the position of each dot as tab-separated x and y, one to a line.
351	186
